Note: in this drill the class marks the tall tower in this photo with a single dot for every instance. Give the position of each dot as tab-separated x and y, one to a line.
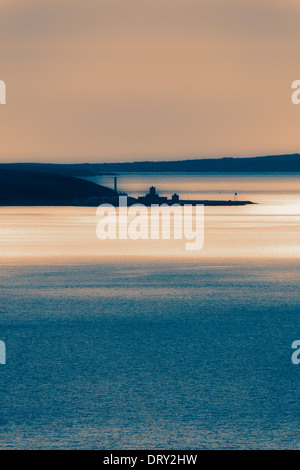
116	184
152	191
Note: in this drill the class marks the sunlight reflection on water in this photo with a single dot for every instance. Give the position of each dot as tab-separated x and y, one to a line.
269	228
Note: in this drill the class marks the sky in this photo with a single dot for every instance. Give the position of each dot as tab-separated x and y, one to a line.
123	80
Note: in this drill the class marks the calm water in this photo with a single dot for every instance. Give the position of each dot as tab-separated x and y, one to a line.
268	229
108	350
269	188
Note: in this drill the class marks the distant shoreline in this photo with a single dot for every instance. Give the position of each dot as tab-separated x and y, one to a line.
30	188
289	163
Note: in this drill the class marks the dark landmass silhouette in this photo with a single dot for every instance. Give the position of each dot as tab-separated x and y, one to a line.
268	164
25	188
289	163
152	197
53	184
72	169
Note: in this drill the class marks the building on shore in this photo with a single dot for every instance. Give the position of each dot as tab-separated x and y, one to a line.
152	198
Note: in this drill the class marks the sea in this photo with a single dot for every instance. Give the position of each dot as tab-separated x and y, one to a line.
140	344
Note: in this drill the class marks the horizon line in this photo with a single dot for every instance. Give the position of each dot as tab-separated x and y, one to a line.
145	161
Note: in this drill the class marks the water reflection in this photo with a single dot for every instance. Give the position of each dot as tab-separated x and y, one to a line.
267	229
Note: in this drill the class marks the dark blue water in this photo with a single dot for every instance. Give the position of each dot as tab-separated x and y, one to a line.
133	356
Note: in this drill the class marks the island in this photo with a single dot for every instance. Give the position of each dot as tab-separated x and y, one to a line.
25	188
32	188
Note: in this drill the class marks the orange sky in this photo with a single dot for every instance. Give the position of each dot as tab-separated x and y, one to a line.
113	80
